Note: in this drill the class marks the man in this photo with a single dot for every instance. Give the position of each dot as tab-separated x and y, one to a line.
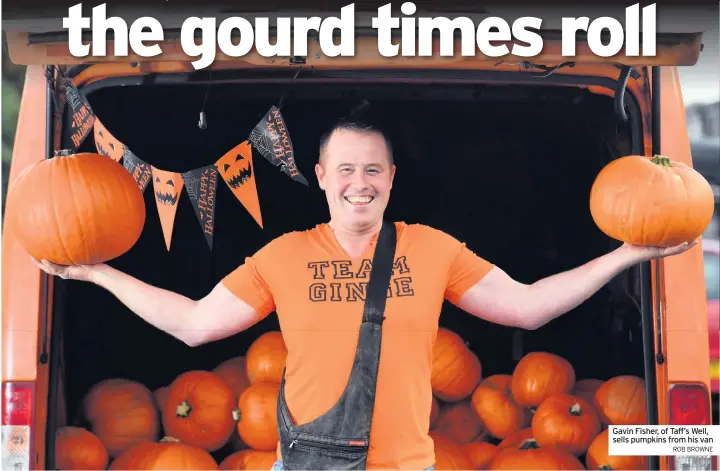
312	279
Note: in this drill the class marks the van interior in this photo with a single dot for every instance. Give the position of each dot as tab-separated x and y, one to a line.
505	167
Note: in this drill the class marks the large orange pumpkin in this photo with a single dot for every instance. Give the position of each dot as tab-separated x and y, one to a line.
199	410
539	375
567	423
651	201
480	454
492	401
449	455
531	456
257	416
121	413
266	358
621	401
75	209
77	448
249	460
456	370
167	454
598	457
234	373
459	422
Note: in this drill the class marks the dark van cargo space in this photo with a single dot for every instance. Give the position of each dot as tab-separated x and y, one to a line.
506	169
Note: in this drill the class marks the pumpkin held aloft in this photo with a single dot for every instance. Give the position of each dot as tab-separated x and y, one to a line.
651	201
75	209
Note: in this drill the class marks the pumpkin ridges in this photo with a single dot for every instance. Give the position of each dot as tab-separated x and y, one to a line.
621	401
456	370
598	457
265	358
539	375
163	455
459	422
257	424
530	456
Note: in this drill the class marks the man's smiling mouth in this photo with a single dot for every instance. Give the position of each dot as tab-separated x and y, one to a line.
360	200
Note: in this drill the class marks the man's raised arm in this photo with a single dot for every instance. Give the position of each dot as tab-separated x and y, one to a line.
500	299
218	315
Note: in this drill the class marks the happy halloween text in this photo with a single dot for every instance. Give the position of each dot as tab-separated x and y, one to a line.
206	198
350	288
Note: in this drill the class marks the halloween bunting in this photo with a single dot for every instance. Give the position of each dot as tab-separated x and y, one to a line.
236	168
272	139
82	116
138	169
106	144
201	187
167	187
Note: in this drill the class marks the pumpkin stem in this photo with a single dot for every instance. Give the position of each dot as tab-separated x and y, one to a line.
576	409
529	444
169	440
236	415
63	153
661	160
183	410
605	466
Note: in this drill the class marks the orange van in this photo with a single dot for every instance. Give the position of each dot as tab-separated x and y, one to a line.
499	152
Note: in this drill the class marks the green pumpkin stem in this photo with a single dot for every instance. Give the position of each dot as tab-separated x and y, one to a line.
183	410
661	160
529	444
576	409
236	415
63	153
169	439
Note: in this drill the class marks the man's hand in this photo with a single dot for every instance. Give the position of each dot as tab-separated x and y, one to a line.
640	253
66	272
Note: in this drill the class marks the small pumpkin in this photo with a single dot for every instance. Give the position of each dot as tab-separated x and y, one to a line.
530	456
459	422
621	401
449	454
199	410
598	456
121	413
494	404
539	375
266	358
169	453
651	201
75	209
480	454
257	416
456	370
77	448
249	460
567	423
234	373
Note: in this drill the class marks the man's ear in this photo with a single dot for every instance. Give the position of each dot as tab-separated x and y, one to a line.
320	174
392	175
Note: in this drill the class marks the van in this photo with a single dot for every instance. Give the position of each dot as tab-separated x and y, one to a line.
501	153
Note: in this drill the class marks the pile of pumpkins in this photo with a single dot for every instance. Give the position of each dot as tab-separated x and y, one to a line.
536	417
539	416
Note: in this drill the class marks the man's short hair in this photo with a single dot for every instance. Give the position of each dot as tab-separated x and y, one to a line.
357	126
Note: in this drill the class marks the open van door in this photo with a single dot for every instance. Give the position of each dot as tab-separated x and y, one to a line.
673	33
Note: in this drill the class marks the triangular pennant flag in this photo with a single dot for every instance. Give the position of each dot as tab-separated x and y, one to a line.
167	187
201	186
82	116
105	142
236	168
272	139
140	170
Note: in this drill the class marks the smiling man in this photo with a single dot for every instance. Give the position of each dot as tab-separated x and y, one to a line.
337	381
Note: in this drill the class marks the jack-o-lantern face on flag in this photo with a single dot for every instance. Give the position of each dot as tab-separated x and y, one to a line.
167	187
106	144
236	168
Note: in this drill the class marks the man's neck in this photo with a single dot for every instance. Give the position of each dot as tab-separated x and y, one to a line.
355	241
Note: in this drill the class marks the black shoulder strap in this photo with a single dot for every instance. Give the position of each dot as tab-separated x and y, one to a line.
382	268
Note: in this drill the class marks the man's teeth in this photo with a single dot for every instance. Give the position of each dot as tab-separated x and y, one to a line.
359	199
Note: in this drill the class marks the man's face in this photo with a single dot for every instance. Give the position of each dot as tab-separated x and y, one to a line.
357	177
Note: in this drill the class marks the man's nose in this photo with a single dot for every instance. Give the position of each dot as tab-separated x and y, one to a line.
359	180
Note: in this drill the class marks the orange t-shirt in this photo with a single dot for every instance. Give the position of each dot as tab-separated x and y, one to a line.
317	292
